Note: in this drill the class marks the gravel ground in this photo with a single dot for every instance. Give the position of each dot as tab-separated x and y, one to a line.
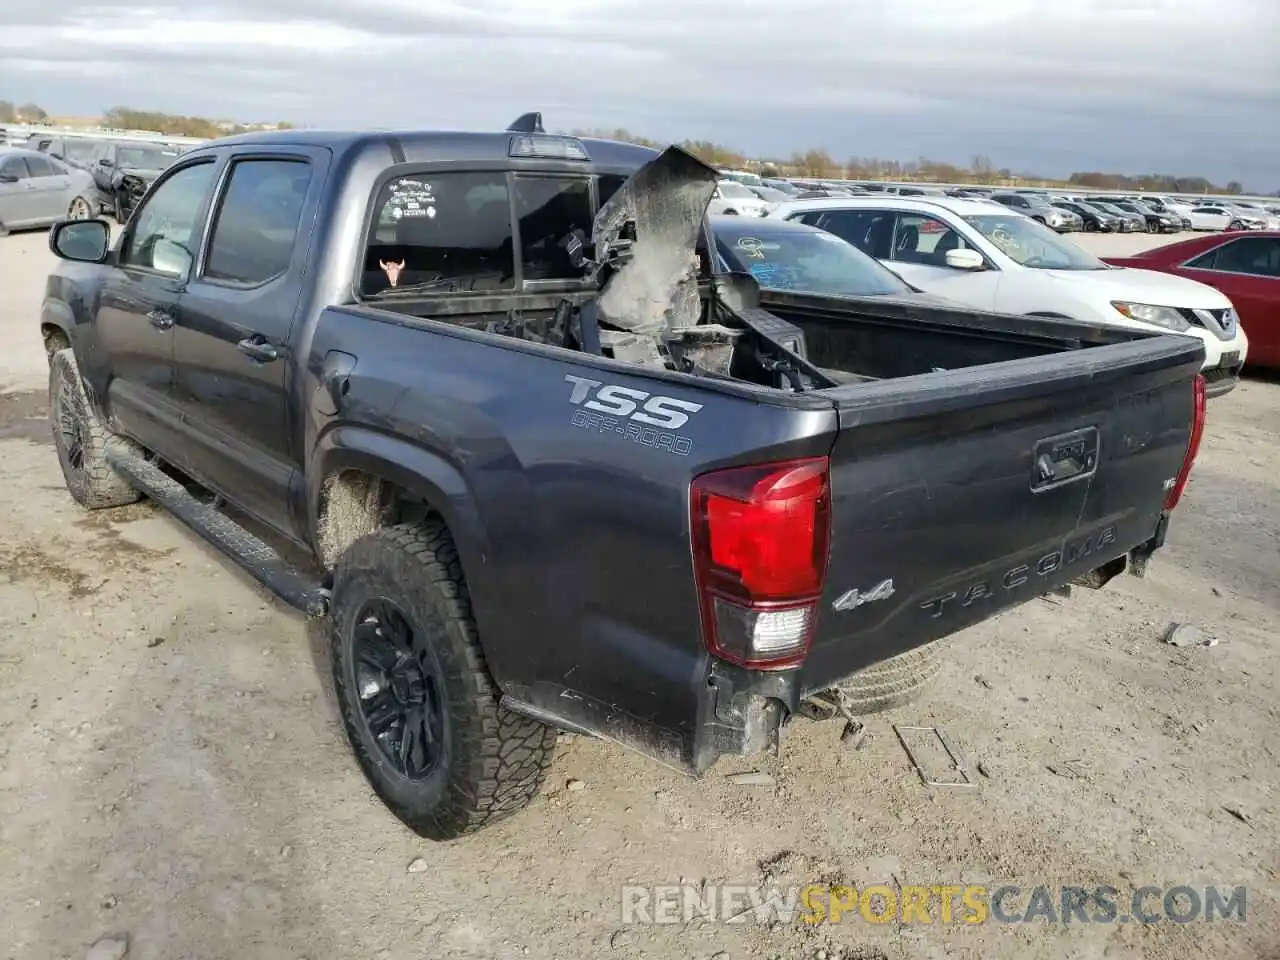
171	768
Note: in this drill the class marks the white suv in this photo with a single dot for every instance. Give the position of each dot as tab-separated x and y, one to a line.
997	259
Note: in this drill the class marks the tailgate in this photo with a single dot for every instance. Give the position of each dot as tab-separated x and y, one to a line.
960	493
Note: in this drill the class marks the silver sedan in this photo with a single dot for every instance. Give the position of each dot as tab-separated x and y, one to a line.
37	190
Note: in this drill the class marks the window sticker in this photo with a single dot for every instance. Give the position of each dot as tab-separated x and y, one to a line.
751	248
411	198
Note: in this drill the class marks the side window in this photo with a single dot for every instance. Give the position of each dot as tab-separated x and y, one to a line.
923	239
78	151
14	167
162	234
854	226
607	186
41	167
1206	261
549	209
257	221
1255	256
441	233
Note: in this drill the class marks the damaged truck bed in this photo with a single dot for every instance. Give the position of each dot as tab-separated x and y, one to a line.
622	496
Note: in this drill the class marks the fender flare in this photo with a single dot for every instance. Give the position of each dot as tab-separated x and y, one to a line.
426	474
56	313
422	472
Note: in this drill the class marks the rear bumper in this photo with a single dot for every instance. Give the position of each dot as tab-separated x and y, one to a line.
1219	381
743	711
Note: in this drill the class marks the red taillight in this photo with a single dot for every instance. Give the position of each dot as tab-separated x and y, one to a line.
1193	446
760	538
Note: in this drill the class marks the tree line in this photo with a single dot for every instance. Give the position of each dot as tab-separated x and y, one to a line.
814	163
818	164
130	118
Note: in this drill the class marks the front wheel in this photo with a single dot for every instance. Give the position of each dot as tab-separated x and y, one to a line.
81	440
419	706
1235	225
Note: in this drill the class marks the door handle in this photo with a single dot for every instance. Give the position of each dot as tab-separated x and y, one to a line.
258	349
160	319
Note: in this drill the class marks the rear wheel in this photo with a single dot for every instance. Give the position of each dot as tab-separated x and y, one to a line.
419	706
81	440
79	209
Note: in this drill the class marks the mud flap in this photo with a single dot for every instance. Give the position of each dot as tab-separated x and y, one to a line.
655	289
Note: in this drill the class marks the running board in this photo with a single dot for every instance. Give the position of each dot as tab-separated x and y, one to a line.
258	558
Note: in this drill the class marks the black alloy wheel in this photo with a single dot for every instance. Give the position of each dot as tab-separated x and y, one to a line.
399	689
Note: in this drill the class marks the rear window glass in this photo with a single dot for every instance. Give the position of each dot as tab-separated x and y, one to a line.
550	210
441	233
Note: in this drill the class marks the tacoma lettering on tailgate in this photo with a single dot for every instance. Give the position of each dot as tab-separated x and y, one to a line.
1072	552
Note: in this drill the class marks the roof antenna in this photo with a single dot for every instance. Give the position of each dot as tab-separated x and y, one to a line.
527	123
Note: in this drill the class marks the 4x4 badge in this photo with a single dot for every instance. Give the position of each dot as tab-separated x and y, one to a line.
855	598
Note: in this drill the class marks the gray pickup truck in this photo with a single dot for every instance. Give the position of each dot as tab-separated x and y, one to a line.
475	398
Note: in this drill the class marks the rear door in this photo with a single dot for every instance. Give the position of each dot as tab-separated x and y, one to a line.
955	495
232	344
51	187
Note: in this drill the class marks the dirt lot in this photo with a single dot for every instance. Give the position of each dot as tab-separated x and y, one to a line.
171	767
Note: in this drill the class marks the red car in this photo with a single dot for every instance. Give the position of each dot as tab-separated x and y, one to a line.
1244	266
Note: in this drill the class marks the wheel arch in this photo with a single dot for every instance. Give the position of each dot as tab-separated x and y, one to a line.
56	323
379	478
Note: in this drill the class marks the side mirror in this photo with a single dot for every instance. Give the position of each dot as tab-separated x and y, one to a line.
106	162
8	178
965	259
81	241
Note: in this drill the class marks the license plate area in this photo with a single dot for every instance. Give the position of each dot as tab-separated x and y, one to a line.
1230	360
1064	459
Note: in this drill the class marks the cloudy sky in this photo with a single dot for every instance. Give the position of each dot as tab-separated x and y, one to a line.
1173	86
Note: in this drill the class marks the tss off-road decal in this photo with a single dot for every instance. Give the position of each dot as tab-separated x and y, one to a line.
638	415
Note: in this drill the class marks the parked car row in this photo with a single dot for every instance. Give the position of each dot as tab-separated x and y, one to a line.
991	257
37	190
122	169
1065	213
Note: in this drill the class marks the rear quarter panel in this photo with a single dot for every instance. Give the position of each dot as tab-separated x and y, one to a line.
576	520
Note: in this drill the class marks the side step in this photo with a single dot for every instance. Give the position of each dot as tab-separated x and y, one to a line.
262	562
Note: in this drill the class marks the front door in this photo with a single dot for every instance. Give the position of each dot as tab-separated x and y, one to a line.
138	308
918	254
232	344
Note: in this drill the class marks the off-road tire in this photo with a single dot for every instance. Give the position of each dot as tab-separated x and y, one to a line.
494	761
893	682
81	439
